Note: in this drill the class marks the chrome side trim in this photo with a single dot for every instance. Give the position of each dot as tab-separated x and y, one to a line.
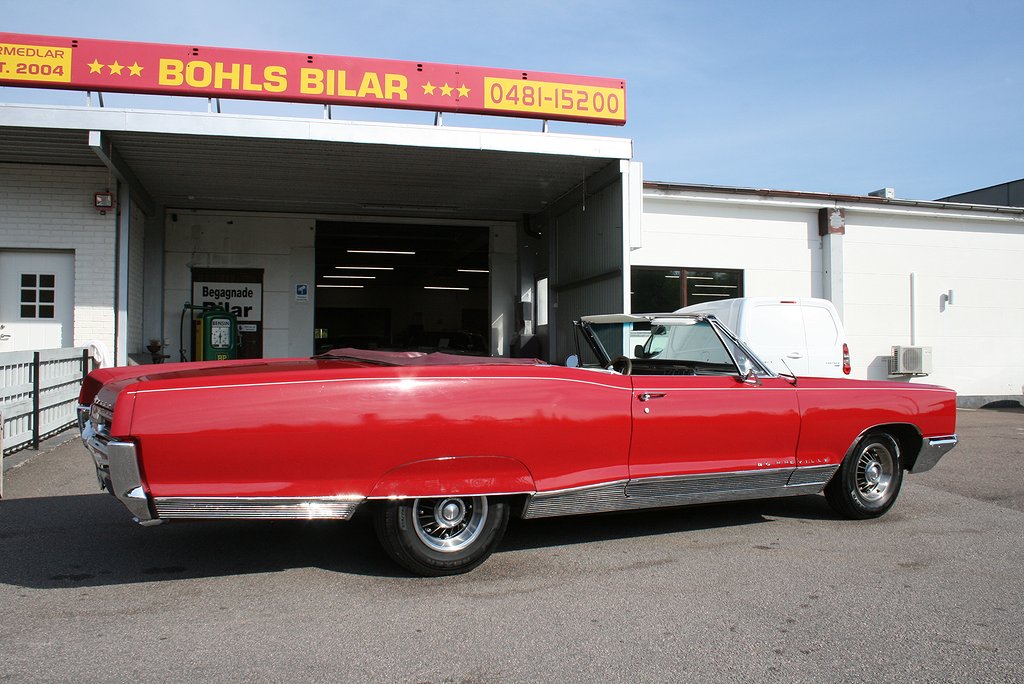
659	492
435	495
257	507
597	498
813	475
932	449
695	485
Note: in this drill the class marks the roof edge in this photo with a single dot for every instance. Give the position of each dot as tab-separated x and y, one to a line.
827	197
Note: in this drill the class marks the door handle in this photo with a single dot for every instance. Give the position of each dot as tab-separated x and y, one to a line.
4	337
647	396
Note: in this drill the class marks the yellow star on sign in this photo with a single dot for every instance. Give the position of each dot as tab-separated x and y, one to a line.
429	88
115	68
95	67
135	70
446	89
463	90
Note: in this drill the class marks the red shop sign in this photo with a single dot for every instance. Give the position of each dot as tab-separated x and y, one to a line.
151	68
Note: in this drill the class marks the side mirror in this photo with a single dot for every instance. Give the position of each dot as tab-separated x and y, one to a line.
638	352
572	361
749	377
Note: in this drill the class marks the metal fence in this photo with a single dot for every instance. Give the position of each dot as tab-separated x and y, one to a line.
39	394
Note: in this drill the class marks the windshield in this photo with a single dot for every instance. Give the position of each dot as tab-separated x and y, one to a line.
671	344
689	341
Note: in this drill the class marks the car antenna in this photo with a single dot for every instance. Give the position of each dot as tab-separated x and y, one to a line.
790	376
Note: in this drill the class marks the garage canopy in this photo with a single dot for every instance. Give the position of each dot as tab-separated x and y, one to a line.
221	161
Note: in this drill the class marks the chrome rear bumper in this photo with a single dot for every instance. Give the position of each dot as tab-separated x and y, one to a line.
117	469
932	450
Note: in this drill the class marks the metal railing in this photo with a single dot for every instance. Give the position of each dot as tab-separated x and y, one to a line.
39	394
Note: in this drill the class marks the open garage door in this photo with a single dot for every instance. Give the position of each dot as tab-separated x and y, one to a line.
591	230
420	287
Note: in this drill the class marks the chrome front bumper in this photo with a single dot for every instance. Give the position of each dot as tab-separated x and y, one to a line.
932	450
117	469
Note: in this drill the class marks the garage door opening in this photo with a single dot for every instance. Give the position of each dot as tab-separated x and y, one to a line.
402	286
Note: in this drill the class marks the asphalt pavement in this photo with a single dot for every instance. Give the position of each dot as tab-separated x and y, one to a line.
760	591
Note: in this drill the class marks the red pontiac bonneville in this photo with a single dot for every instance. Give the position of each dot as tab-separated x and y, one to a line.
443	449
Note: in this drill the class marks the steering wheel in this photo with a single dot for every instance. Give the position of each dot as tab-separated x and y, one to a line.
621	364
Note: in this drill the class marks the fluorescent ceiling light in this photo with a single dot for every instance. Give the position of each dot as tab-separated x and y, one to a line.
411	207
352	277
472	270
366	268
730	287
672	276
354	286
376	251
690	277
438	287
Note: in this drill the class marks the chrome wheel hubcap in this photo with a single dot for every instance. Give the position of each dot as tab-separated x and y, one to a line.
449	524
875	469
449	513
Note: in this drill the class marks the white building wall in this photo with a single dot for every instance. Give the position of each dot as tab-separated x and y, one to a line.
777	248
282	246
51	207
976	340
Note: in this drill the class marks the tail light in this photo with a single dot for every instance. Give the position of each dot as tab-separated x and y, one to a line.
846	359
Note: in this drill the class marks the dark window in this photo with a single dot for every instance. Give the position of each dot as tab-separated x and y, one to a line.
38	292
660	290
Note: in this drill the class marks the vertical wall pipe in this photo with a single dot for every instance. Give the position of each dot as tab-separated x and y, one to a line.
913	309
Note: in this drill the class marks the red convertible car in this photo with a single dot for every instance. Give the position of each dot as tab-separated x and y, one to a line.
444	449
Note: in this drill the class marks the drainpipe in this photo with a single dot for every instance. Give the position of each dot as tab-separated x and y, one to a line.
913	309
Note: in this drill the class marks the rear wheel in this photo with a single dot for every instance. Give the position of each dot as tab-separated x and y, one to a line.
868	481
441	536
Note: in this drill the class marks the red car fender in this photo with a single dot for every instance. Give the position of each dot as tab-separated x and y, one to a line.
455	475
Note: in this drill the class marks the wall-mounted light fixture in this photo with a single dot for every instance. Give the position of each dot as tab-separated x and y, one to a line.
103	201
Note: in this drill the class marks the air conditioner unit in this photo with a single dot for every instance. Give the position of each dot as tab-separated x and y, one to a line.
910	361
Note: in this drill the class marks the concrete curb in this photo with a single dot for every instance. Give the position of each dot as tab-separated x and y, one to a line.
20	458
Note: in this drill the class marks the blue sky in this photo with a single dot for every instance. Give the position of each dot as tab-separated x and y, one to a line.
926	97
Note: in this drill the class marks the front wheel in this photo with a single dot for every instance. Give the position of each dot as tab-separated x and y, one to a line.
867	482
441	536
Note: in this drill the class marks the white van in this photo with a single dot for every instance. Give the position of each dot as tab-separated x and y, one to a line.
802	336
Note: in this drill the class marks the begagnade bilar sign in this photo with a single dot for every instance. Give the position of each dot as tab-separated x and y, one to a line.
151	68
245	300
